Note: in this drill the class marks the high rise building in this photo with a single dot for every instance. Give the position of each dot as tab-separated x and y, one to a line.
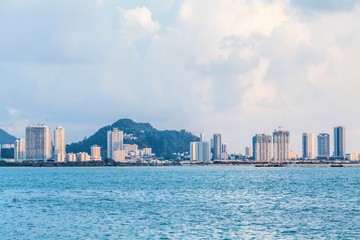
115	141
308	146
281	145
95	153
202	137
20	151
248	152
200	151
38	143
59	144
224	151
262	148
339	142
217	147
323	143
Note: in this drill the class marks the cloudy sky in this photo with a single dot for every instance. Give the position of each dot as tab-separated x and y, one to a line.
233	67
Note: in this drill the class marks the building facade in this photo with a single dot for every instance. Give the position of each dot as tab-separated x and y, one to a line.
248	152
262	148
83	157
38	143
70	157
339	142
115	141
281	146
200	151
308	146
323	143
217	147
224	151
59	144
119	155
95	153
147	151
20	151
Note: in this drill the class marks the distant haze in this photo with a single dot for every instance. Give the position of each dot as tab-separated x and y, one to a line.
232	67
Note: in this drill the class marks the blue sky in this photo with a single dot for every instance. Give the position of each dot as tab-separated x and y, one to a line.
234	67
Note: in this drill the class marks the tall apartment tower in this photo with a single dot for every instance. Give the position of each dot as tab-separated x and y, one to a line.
339	142
95	153
59	144
248	152
38	143
323	143
202	137
262	148
281	145
19	151
217	147
308	146
115	141
224	151
200	151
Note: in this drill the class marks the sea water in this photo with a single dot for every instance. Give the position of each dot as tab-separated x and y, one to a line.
180	203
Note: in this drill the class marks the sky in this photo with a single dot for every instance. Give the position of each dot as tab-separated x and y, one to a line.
238	68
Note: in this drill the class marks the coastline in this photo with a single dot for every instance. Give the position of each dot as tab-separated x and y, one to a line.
168	164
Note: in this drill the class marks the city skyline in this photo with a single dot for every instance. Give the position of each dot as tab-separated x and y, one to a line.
327	146
41	146
236	68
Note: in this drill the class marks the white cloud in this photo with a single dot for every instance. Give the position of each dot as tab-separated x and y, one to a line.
213	66
140	17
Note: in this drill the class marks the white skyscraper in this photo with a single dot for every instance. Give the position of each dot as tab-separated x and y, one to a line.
19	151
200	151
281	146
202	137
59	144
248	152
224	151
38	143
308	146
262	148
115	141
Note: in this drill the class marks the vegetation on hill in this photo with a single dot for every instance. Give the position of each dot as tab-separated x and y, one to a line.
6	138
163	143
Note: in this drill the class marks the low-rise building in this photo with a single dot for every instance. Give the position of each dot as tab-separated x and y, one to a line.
70	157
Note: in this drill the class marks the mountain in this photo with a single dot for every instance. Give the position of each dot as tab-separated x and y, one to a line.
6	138
163	143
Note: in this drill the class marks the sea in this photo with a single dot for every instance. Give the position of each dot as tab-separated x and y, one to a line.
204	202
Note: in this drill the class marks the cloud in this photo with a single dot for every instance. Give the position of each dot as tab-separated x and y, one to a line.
138	23
237	67
329	5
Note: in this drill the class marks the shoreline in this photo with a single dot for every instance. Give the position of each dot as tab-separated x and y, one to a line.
4	164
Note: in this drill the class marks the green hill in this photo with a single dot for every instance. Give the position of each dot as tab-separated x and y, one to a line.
6	138
163	143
